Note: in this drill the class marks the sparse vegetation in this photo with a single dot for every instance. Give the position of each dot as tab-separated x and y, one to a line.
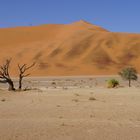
112	83
129	74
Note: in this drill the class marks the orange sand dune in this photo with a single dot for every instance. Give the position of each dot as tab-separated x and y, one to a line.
79	48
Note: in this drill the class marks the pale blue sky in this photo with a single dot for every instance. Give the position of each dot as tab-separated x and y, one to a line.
114	15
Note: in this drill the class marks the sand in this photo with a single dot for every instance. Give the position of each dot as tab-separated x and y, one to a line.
70	108
78	48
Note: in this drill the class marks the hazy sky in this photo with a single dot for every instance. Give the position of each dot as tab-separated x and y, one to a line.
114	15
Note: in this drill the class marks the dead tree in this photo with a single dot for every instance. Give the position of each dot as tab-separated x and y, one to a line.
22	72
5	76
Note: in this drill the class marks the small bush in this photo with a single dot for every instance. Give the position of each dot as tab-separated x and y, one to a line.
112	83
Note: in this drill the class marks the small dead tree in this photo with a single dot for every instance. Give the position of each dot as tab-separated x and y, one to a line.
22	73
5	76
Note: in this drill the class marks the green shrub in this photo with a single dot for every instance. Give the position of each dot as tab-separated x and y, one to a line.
112	83
129	74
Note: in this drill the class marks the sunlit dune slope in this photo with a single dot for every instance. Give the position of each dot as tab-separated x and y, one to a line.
78	48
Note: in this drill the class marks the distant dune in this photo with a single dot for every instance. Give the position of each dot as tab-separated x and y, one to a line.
78	48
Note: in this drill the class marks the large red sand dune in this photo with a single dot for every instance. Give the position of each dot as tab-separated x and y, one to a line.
79	48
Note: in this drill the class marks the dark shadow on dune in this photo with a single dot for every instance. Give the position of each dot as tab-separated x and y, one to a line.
79	48
100	58
60	65
55	52
109	43
38	55
43	65
129	55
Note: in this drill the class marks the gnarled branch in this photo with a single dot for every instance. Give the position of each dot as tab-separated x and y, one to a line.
22	72
4	74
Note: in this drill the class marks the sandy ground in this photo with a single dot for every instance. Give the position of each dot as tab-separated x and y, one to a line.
70	109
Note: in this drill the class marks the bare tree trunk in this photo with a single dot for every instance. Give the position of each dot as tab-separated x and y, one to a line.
20	83
5	76
11	85
22	73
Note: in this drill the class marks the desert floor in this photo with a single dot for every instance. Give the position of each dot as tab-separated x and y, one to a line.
70	108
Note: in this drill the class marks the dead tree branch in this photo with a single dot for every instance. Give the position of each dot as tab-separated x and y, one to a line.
22	72
4	74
